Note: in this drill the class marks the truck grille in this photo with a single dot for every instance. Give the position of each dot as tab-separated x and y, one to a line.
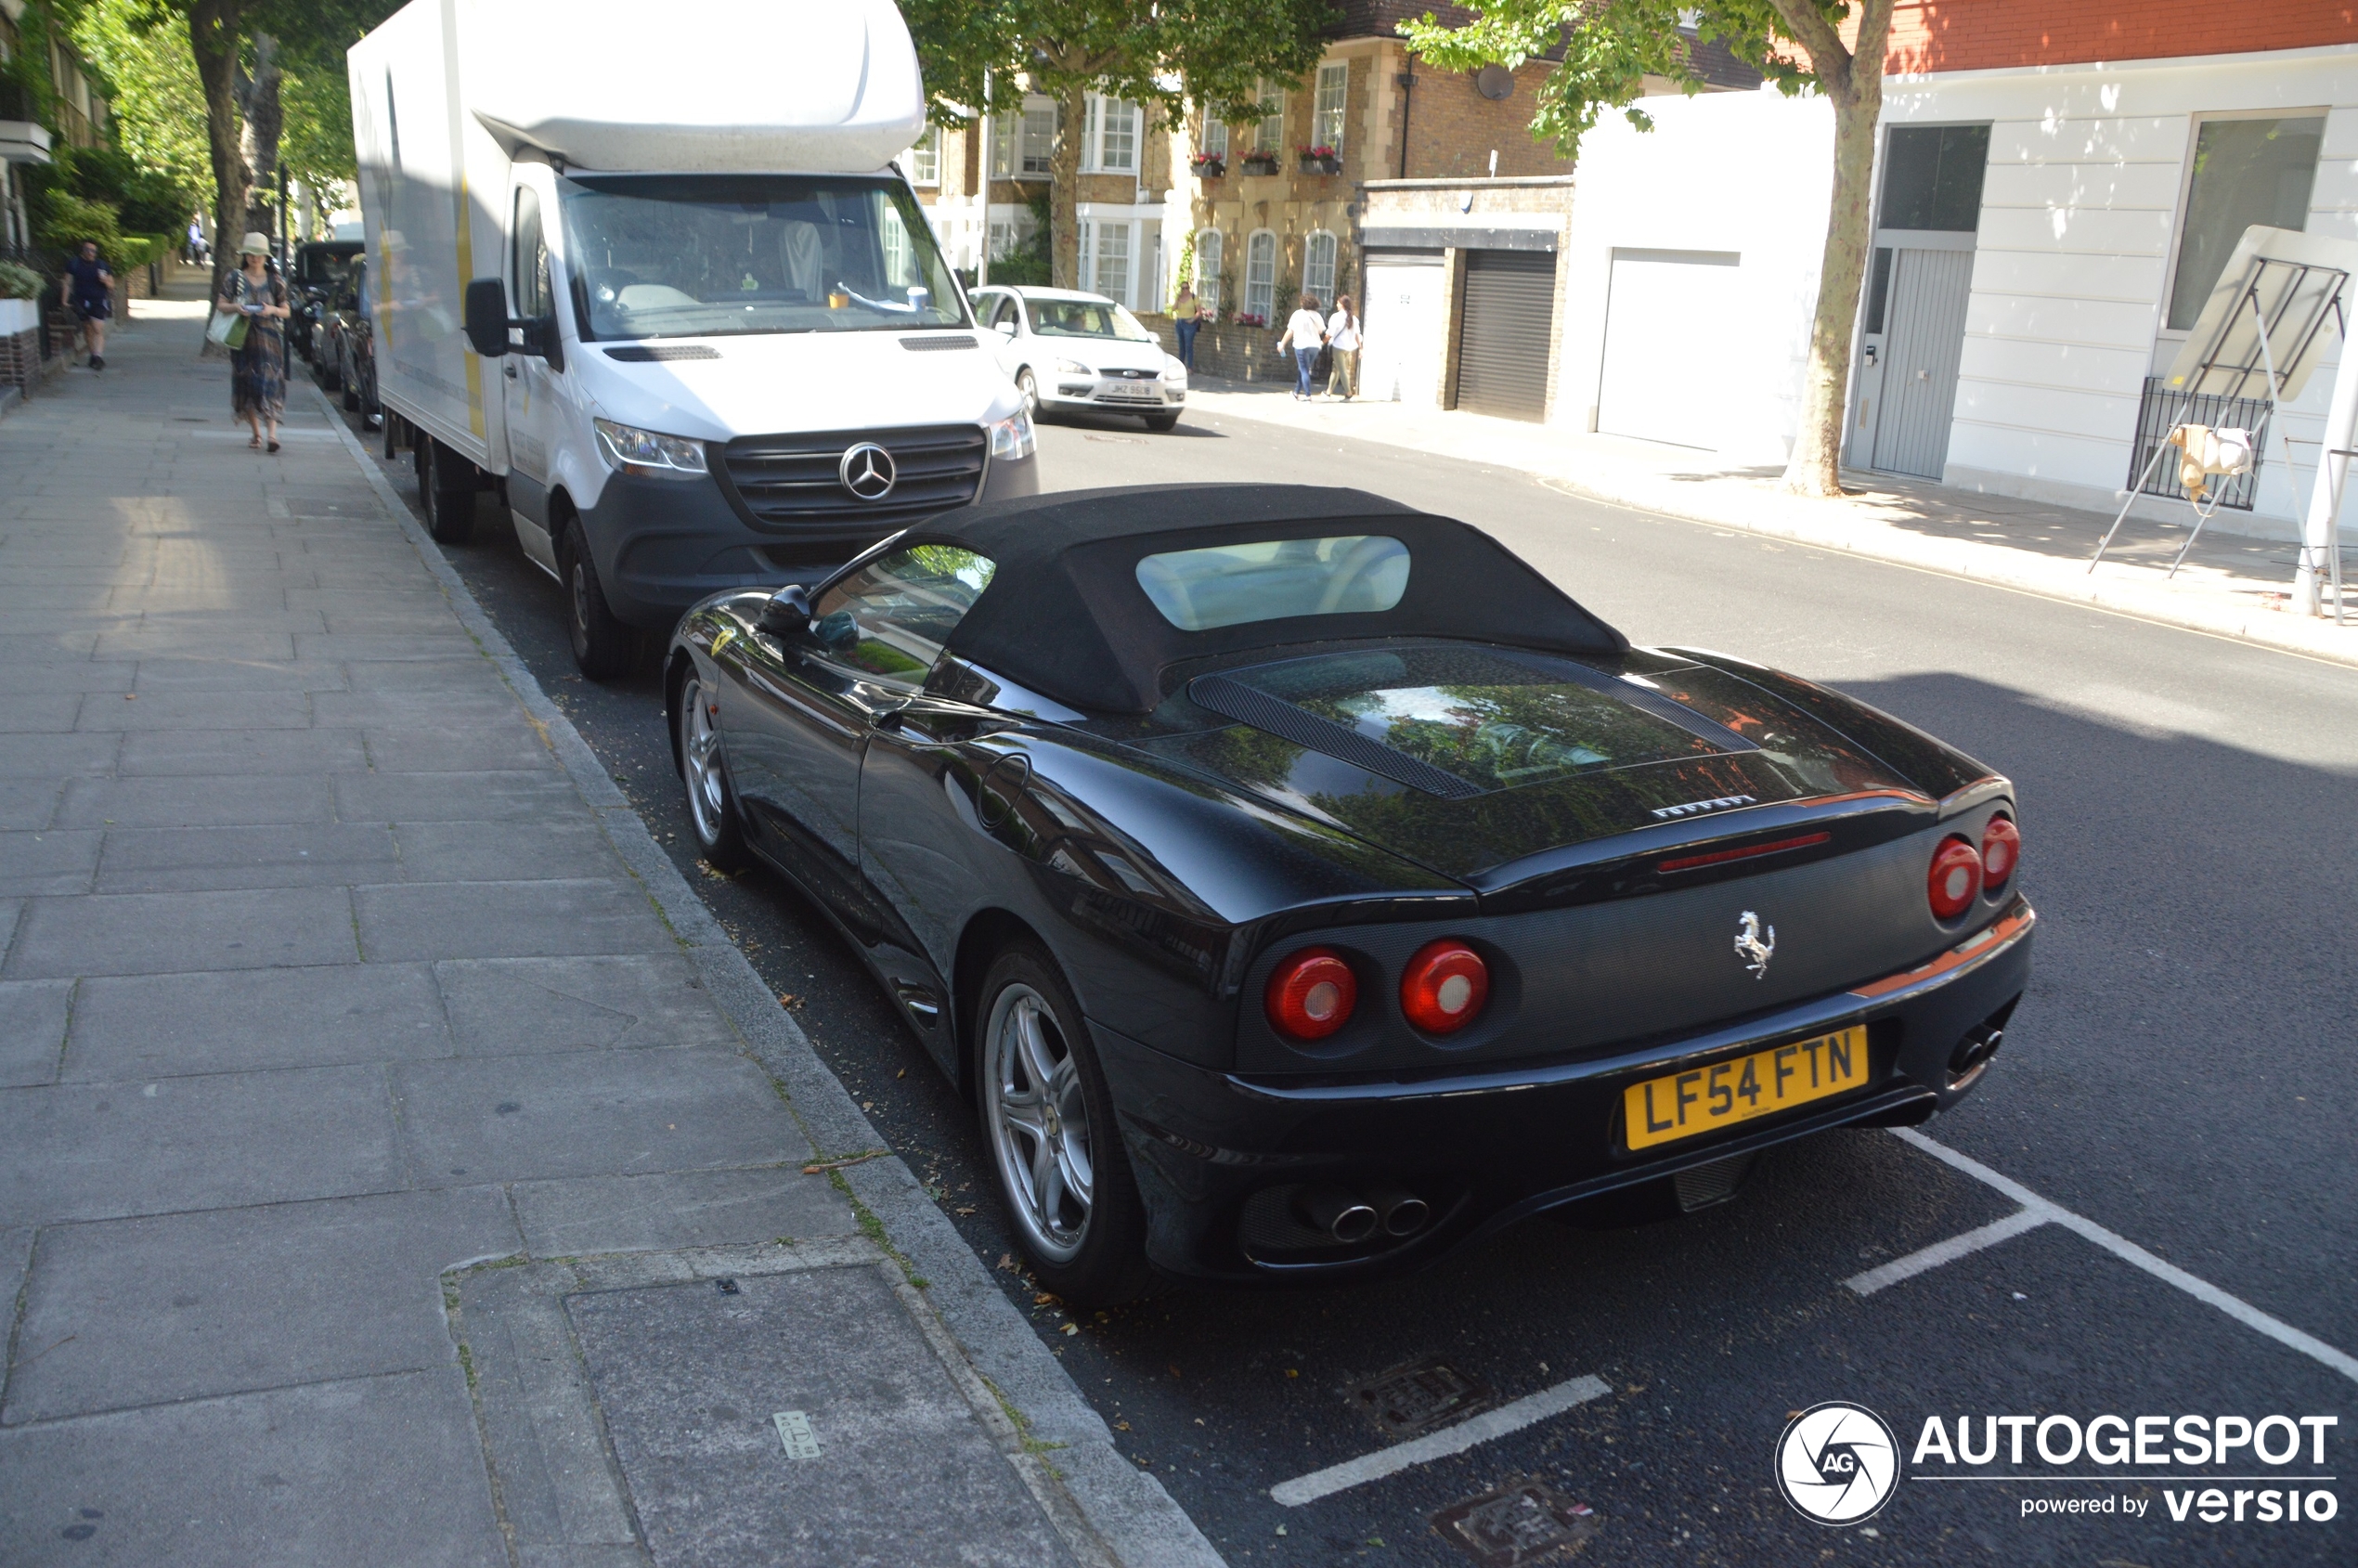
794	482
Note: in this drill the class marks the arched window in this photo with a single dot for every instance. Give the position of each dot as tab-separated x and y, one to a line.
1261	274
1210	249
1319	267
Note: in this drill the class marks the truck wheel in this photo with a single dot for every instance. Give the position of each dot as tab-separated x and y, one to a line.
445	489
328	368
602	646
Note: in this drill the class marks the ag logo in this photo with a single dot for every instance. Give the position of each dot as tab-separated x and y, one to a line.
1837	1463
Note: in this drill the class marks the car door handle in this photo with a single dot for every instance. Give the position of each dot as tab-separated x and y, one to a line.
509	371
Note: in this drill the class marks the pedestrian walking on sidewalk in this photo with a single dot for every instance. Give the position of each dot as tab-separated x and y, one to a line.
258	367
1183	311
1306	331
88	288
1343	337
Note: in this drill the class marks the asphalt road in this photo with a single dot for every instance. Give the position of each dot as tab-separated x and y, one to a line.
2180	1074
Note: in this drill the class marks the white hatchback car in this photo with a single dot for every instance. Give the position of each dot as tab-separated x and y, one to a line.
1067	350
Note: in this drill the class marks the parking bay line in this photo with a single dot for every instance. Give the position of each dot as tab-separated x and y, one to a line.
2036	1211
1440	1445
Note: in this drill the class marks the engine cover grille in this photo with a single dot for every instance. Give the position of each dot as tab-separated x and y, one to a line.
784	482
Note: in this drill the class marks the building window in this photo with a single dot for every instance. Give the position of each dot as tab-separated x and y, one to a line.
1115	142
2244	172
1318	267
1327	111
1009	234
1216	137
1269	134
1209	245
1021	143
925	158
1931	177
1261	274
1107	253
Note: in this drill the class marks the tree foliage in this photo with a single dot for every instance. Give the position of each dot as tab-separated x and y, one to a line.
1611	47
1170	57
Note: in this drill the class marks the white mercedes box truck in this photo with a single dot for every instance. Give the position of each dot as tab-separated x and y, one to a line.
649	275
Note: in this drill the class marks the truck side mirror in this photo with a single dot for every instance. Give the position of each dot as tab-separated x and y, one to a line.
789	613
487	317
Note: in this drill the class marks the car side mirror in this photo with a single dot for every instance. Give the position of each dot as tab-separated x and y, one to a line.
1006	328
487	316
789	613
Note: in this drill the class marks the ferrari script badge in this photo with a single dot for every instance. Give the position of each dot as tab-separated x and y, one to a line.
1752	947
867	471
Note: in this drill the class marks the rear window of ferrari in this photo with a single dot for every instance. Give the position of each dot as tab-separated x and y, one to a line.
1275	579
1494	722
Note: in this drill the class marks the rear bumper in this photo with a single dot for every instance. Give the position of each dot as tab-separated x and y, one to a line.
1486	1150
661	545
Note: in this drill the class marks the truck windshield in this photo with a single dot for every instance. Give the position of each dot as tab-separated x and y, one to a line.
707	255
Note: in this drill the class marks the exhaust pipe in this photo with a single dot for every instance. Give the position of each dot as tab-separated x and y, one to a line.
1404	1212
1336	1211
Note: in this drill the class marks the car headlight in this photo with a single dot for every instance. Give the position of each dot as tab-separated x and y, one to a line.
643	454
1012	437
1074	368
1174	371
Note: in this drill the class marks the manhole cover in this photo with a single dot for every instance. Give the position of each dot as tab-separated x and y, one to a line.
1524	1521
1414	1399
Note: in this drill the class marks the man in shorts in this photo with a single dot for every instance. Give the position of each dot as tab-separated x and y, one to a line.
88	288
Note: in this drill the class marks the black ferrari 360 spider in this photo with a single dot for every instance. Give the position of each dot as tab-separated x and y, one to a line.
1303	885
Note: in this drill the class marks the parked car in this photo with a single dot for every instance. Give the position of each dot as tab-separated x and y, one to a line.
1304	886
1067	350
322	274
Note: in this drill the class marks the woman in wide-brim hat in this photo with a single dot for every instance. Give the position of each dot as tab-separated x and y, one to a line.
258	369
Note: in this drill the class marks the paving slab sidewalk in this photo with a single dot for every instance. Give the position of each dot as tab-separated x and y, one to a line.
2233	584
359	1051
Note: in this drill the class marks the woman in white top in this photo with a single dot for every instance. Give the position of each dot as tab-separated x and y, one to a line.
1306	330
1342	336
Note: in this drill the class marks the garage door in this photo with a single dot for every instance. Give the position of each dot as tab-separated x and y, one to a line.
1405	317
1666	324
1502	340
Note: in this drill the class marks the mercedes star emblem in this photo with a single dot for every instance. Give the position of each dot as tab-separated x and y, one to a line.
867	472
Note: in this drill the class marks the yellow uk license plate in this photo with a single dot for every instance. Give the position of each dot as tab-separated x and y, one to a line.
1685	1105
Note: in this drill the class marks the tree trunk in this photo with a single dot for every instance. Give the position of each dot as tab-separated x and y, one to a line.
1064	186
213	38
258	104
1854	84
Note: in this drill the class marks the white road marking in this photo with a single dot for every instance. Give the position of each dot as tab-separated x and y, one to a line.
1440	1445
2119	1247
1947	1252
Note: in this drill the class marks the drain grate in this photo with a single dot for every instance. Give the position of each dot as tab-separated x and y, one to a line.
1411	1400
1524	1521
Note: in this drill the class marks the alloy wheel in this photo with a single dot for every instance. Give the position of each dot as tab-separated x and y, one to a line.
1038	1122
700	751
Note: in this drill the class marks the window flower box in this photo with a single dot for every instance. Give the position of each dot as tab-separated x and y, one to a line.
1260	163
1320	161
1208	167
1250	319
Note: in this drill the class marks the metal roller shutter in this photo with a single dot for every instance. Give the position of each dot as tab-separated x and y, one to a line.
1502	338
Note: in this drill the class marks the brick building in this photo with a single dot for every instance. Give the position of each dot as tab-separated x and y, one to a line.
2058	185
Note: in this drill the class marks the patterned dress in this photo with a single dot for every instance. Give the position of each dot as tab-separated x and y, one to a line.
258	371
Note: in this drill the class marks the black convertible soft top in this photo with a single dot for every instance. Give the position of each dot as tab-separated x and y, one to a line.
1063	614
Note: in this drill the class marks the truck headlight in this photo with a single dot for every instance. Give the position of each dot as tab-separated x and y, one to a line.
643	454
1012	437
1074	368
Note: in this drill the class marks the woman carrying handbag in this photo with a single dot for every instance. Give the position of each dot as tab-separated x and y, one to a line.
256	302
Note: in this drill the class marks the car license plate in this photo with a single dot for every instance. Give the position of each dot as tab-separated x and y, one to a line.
1133	389
1704	1099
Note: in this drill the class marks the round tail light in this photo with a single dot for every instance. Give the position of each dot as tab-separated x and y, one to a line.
1955	877
1310	994
1444	987
2000	848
